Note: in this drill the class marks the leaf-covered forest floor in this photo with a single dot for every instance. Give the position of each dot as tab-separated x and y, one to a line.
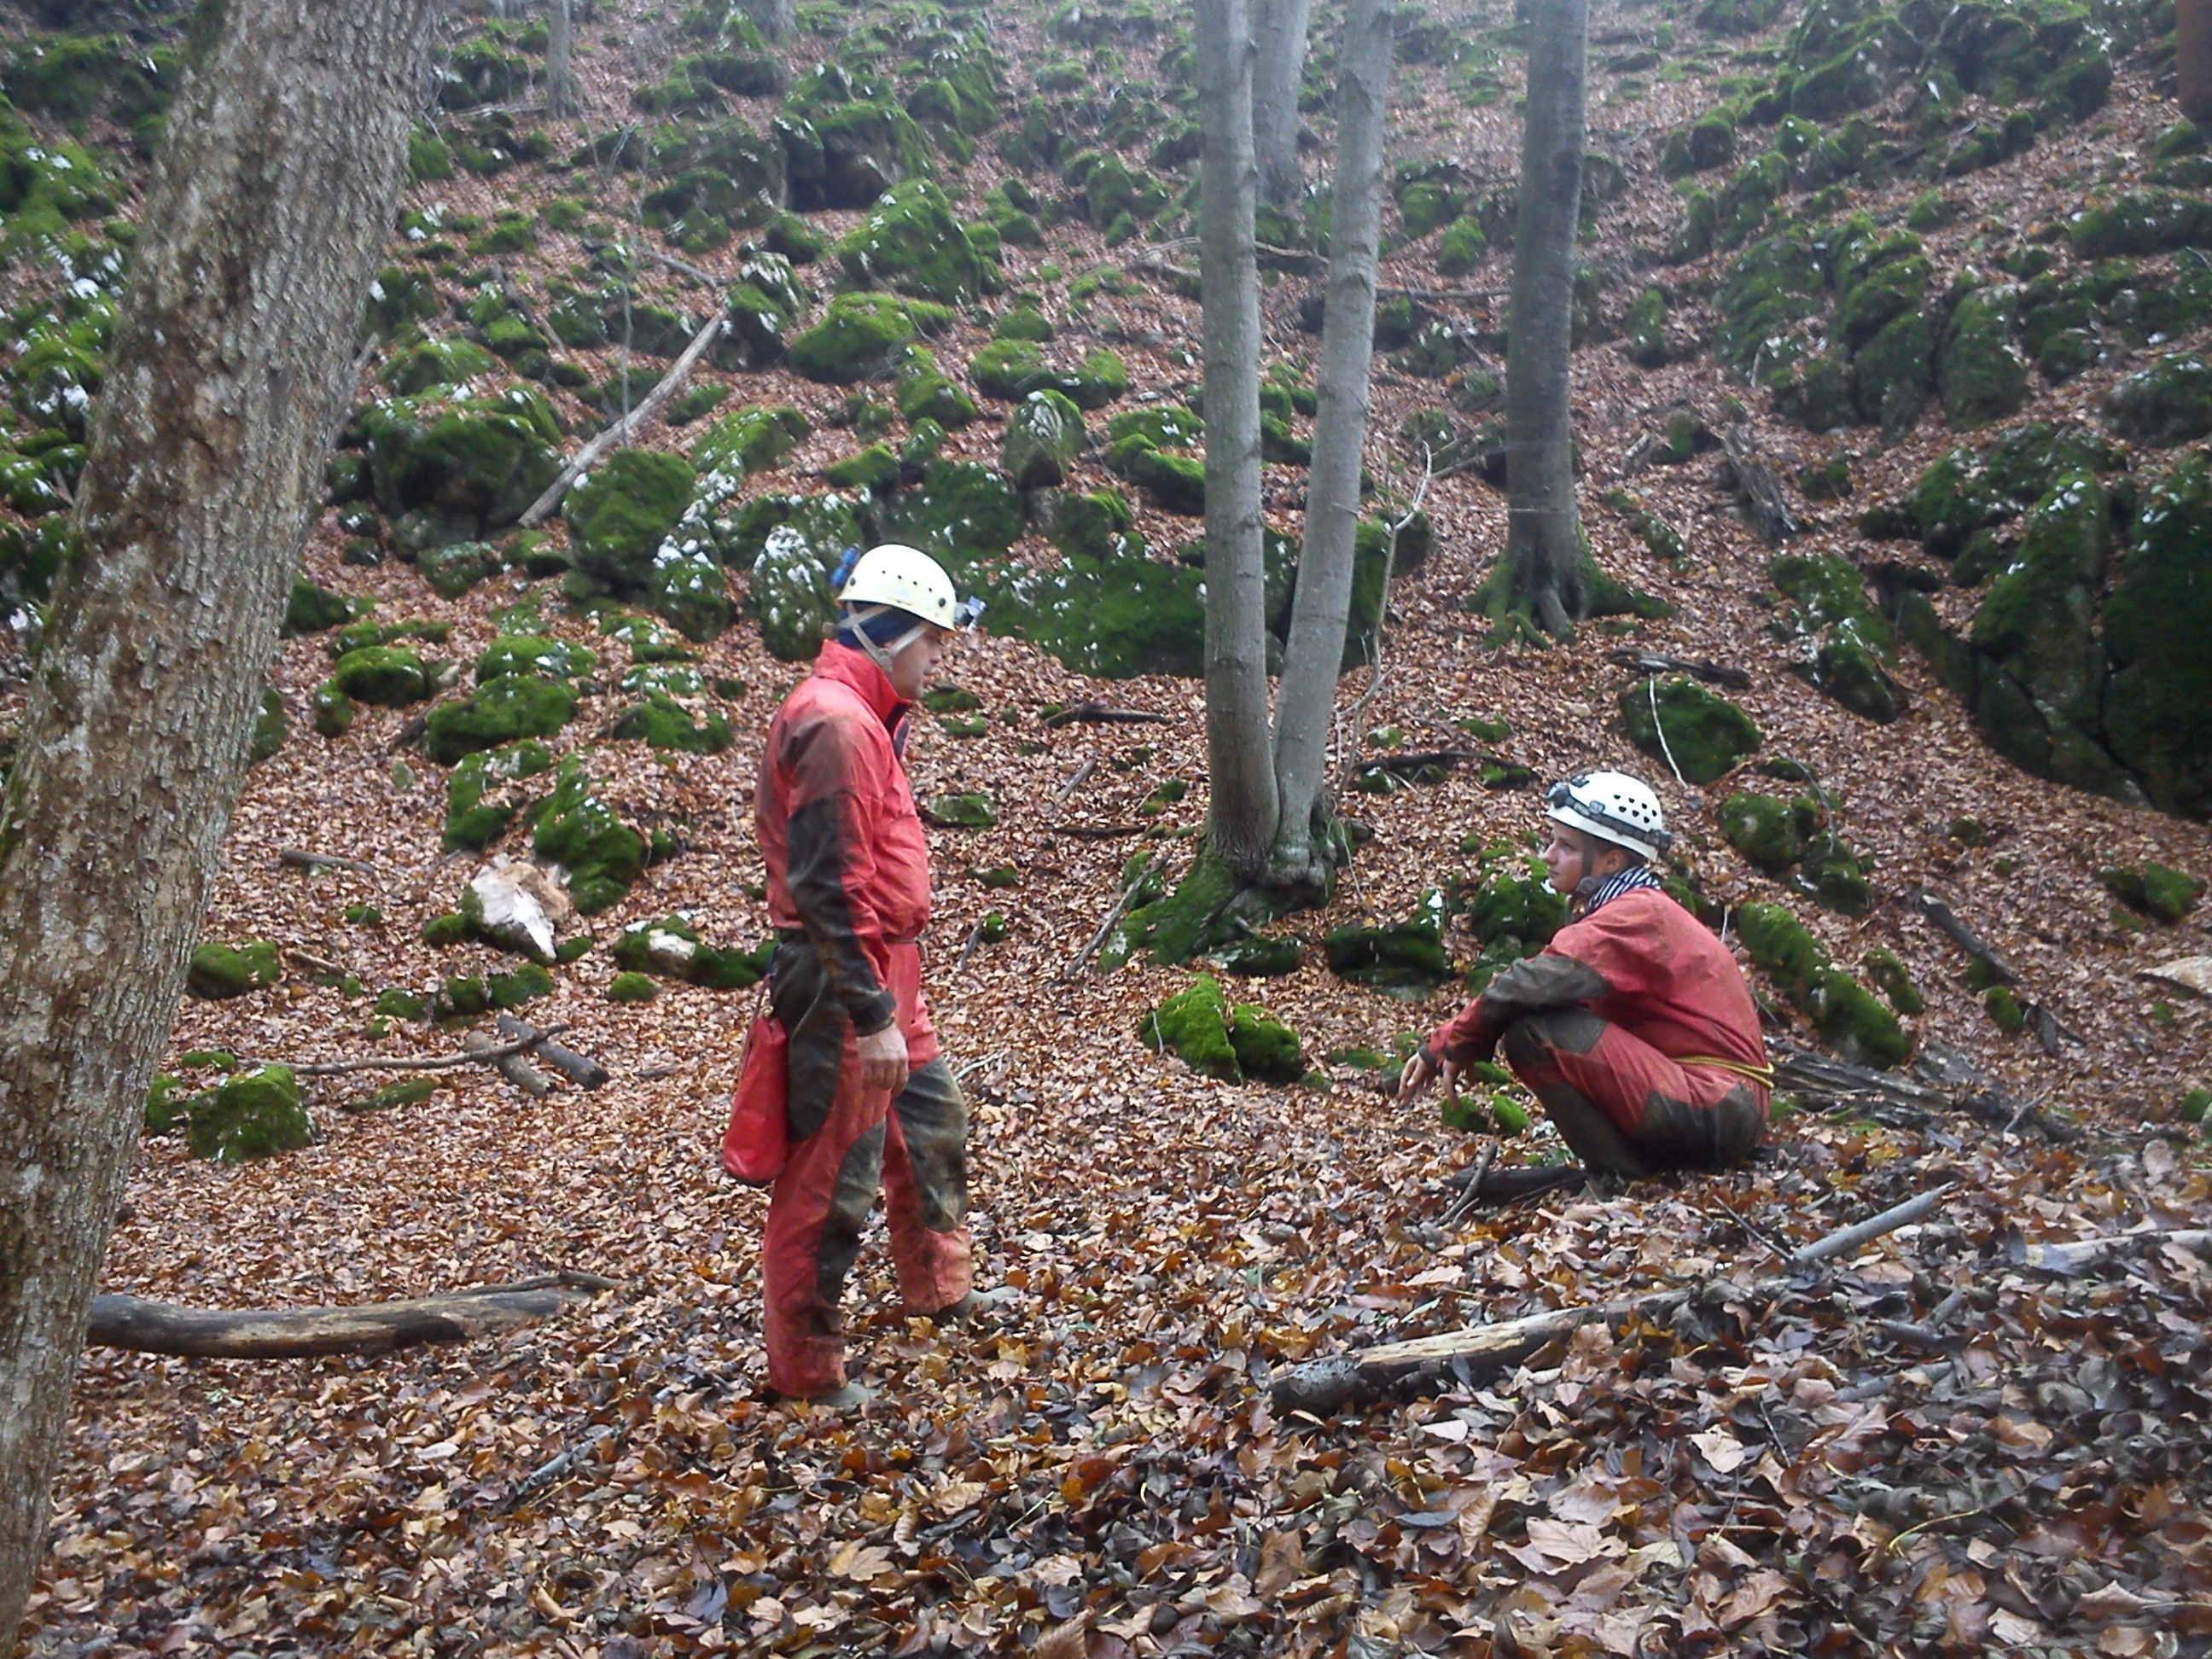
1813	1471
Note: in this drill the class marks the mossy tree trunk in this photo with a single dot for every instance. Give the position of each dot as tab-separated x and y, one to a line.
231	359
560	100
1279	34
1322	605
1243	806
1544	576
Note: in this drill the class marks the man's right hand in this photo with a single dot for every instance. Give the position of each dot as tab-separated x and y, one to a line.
1419	1073
883	1063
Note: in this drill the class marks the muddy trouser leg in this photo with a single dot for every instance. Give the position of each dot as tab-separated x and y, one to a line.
819	1207
1624	1106
925	1189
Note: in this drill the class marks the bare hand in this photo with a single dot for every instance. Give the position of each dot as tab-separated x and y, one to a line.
883	1064
1419	1073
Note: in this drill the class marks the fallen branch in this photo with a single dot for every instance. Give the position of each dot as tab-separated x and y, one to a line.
1082	775
583	1073
510	1064
431	1063
1407	764
975	942
147	1327
2074	1255
1099	831
1827	1082
684	265
313	963
1100	714
1324	1387
301	858
1120	908
1756	483
1651	662
538	511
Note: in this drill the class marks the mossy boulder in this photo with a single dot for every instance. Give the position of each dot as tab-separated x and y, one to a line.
384	675
2158	891
451	569
449	362
2168	402
1044	434
621	511
254	1115
1850	1019
1978	368
1260	955
222	971
1192	1025
1894	981
793	543
1700	732
958	512
632	988
577	829
1834	876
502	711
660	722
749	440
1764	829
271	727
1970	489
845	152
671	947
1266	1050
860	335
2042	672
2158	701
534	653
912	243
874	469
1404	958
972	810
1091	526
2136	223
1112	617
480	802
473	462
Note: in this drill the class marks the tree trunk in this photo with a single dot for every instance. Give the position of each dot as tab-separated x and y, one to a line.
560	100
233	356
1280	35
1323	603
1543	539
2192	57
1241	813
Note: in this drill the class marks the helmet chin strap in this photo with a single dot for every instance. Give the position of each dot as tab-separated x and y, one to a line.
881	655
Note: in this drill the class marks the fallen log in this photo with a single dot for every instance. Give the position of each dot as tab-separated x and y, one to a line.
148	1326
1104	714
584	1073
647	407
1652	662
1407	765
426	1063
1082	775
509	1064
1099	831
2075	1255
1949	1082
1326	1386
301	859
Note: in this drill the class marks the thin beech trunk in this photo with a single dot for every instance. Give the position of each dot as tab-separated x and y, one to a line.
1280	35
775	19
1322	605
2192	58
1242	810
231	360
1543	542
561	99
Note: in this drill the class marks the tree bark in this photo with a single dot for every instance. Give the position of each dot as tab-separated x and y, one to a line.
1242	808
1280	35
775	19
560	100
1323	603
231	359
1544	547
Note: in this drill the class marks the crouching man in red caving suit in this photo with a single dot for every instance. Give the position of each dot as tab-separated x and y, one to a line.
1633	1026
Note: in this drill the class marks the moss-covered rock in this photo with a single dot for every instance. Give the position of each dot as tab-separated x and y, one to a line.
271	727
660	722
1894	981
480	802
577	830
1700	732
1194	1025
621	512
1850	1019
2168	402
1404	958
222	971
474	462
1978	368
2040	685
384	675
1044	434
1260	955
256	1113
2158	701
2158	891
912	243
1969	489
632	988
1266	1050
972	810
500	711
958	512
860	335
1832	875
1764	829
2140	221
749	440
451	569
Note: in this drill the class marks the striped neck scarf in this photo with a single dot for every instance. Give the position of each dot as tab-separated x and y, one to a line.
1621	881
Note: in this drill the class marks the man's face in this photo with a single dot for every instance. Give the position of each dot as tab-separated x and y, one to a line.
912	668
1564	856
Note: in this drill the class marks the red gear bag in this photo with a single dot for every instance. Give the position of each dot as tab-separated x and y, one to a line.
758	1144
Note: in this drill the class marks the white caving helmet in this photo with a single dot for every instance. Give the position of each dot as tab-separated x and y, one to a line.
1614	807
905	579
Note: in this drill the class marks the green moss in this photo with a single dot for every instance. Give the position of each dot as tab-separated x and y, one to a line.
960	512
519	988
222	971
2194	1106
1764	829
2156	890
502	711
2003	1008
384	675
167	1103
476	461
254	1115
660	722
632	988
1404	957
2168	402
911	242
410	1091
621	511
1894	981
1194	1025
473	822
575	829
1265	1049
1980	372
1848	1016
1044	434
449	929
397	1004
875	469
1706	735
749	440
2158	701
966	811
860	335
